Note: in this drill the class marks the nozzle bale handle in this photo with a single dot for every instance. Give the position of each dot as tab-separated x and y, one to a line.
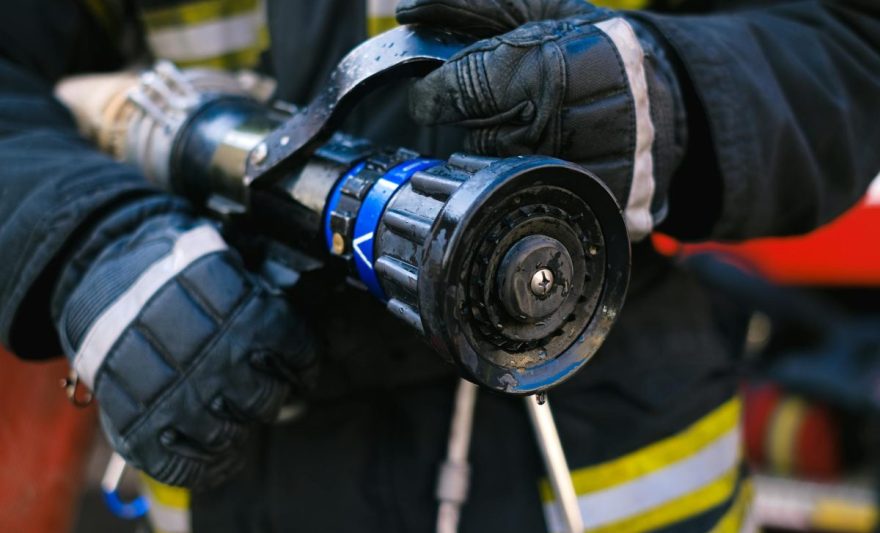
402	52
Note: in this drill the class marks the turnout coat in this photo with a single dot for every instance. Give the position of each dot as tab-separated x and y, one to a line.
784	98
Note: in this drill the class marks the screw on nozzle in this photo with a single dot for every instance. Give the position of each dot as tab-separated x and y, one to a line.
542	282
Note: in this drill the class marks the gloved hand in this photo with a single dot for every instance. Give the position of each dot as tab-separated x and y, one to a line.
595	88
184	349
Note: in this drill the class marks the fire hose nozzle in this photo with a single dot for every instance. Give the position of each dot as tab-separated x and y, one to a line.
515	269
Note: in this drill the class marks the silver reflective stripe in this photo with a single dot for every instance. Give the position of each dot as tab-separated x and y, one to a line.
167	519
605	507
209	39
873	196
106	330
381	8
639	221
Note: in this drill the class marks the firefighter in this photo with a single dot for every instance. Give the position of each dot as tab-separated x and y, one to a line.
705	121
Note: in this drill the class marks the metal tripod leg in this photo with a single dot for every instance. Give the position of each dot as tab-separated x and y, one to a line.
454	476
555	463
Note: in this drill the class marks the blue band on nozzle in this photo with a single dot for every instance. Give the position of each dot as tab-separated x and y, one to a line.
369	215
371	212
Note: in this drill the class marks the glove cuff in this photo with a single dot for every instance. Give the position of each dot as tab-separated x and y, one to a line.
669	112
122	221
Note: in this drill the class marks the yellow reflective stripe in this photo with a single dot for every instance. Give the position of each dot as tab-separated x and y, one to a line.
377	25
380	13
380	16
687	506
653	492
834	514
622	4
167	495
231	42
657	455
735	517
783	432
169	506
190	13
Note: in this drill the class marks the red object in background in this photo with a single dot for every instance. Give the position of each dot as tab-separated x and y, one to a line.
43	444
845	252
789	435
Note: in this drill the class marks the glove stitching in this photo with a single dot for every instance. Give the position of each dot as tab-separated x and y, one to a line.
459	103
105	369
216	442
485	141
471	100
192	468
260	401
491	141
195	295
132	400
483	79
475	84
561	30
153	340
481	143
194	364
464	104
175	470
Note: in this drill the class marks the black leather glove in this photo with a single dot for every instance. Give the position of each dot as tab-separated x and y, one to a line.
595	88
184	349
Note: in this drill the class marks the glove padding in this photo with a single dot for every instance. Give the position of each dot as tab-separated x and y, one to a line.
595	88
183	348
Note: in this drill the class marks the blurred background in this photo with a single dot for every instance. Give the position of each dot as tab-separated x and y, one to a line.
811	384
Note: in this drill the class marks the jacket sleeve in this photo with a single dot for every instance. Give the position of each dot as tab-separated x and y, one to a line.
52	183
784	105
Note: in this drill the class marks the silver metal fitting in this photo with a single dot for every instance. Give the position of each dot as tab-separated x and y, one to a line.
542	282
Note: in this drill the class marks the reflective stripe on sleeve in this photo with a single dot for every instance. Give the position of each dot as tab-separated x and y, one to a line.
669	481
622	4
109	326
209	39
738	518
380	16
190	13
638	207
169	506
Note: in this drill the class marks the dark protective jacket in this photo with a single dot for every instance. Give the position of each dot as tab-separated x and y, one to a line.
783	106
